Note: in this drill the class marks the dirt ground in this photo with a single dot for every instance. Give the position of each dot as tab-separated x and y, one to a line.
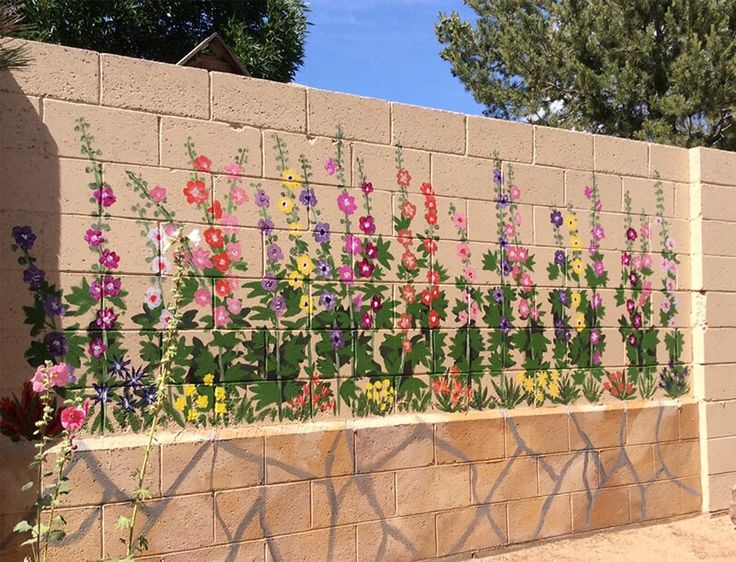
695	538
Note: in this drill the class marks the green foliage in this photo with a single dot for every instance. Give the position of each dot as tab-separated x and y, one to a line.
662	71
266	35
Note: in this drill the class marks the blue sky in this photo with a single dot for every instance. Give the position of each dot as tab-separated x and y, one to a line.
383	49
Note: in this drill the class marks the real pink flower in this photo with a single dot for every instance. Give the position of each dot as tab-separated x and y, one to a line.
39	379
60	375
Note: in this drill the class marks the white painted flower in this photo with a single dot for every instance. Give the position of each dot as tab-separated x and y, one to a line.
195	237
161	265
153	297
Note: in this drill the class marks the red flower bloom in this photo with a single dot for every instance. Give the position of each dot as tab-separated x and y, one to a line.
433	319
408	293
213	237
430	245
433	278
216	210
222	287
403	177
405	238
431	218
196	192
427	189
409	260
408	210
221	261
426	297
203	164
430	203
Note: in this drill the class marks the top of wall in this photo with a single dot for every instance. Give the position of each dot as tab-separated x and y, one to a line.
77	75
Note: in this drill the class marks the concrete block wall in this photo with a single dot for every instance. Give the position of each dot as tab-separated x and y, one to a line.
141	114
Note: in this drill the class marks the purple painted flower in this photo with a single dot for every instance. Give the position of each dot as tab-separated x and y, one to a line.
274	253
105	196
34	277
503	201
106	318
564	297
498	294
278	305
327	299
560	258
503	242
322	233
56	344
505	267
111	286
262	199
505	326
97	348
559	325
102	393
24	237
337	339
555	218
346	203
266	226
497	176
324	269
268	283
307	197
148	395
53	307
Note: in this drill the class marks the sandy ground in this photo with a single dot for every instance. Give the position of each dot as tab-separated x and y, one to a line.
695	538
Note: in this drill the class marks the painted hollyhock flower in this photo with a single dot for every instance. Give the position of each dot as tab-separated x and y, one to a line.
433	319
74	417
56	344
222	316
346	203
234	305
196	192
221	262
598	233
367	187
278	305
631	234
596	300
345	273
202	163
234	250
23	237
53	306
367	225
106	318
337	339
213	237
371	250
403	177
111	286
238	195
324	269
330	167
152	297
515	193
307	197
555	218
105	196
366	321
365	268
353	245
463	251
94	237
109	259
328	299
524	309
469	274
161	265
201	258
588	192
97	348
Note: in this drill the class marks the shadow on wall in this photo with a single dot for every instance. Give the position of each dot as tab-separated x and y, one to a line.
30	195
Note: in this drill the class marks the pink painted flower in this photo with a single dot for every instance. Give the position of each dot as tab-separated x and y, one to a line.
469	274
165	318
330	167
599	268
353	245
517	218
109	260
154	235
60	375
238	195
95	289
106	318
202	297
588	191
592	248
97	348
234	305
513	254
234	250
664	264
345	273
229	223
671	285
523	254
462	318
596	300
515	193
509	230
474	310
367	225
598	206
596	357
222	317
39	379
233	171
346	203
665	305
645	232
158	193
459	220
595	336
153	297
598	233
646	261
201	258
636	262
94	237
535	314
524	309
73	417
105	196
463	251
670	244
526	282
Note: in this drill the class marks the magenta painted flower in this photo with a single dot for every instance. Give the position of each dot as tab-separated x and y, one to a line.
345	273
94	237
598	206
153	297
598	233
74	417
630	304
588	191
636	321
596	357
97	348
158	193
595	336
632	340
371	250
106	318
105	196
631	234
366	321
95	289
367	187
599	268
353	245
233	170
346	203
330	166
376	303
109	260
596	300
222	317
111	286
365	268
367	225
202	297
625	258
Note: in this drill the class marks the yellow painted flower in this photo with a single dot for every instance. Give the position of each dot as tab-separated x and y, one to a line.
575	299
220	408
571	223
209	379
295	228
304	264
368	387
180	403
577	266
190	390
528	384
554	390
554	375
579	322
378	385
296	280
193	415
539	396
220	393
290	178
306	303
286	205
202	402
382	407
576	243
386	383
542	379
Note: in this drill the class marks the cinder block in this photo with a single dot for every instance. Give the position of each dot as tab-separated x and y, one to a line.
464	530
574	472
607	508
155	87
562	148
539	185
722	455
315	546
462	176
353	499
652	425
671	162
619	470
388	448
609	190
428	129
719	382
472	440
719	346
302	456
448	487
719	274
363	119
717	203
716	166
545	433
496	138
55	71
661	499
681	459
621	156
414	539
720	419
23	130
380	166
510	479
539	518
718	238
260	103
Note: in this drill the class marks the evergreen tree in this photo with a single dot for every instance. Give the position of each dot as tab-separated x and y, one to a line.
266	35
660	70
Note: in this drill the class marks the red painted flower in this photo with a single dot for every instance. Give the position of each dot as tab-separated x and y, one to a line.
221	261
433	319
431	218
409	260
222	287
430	245
196	192
430	203
426	297
216	210
203	164
405	238
433	278
408	293
426	189
365	268
213	237
405	321
403	177
408	210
